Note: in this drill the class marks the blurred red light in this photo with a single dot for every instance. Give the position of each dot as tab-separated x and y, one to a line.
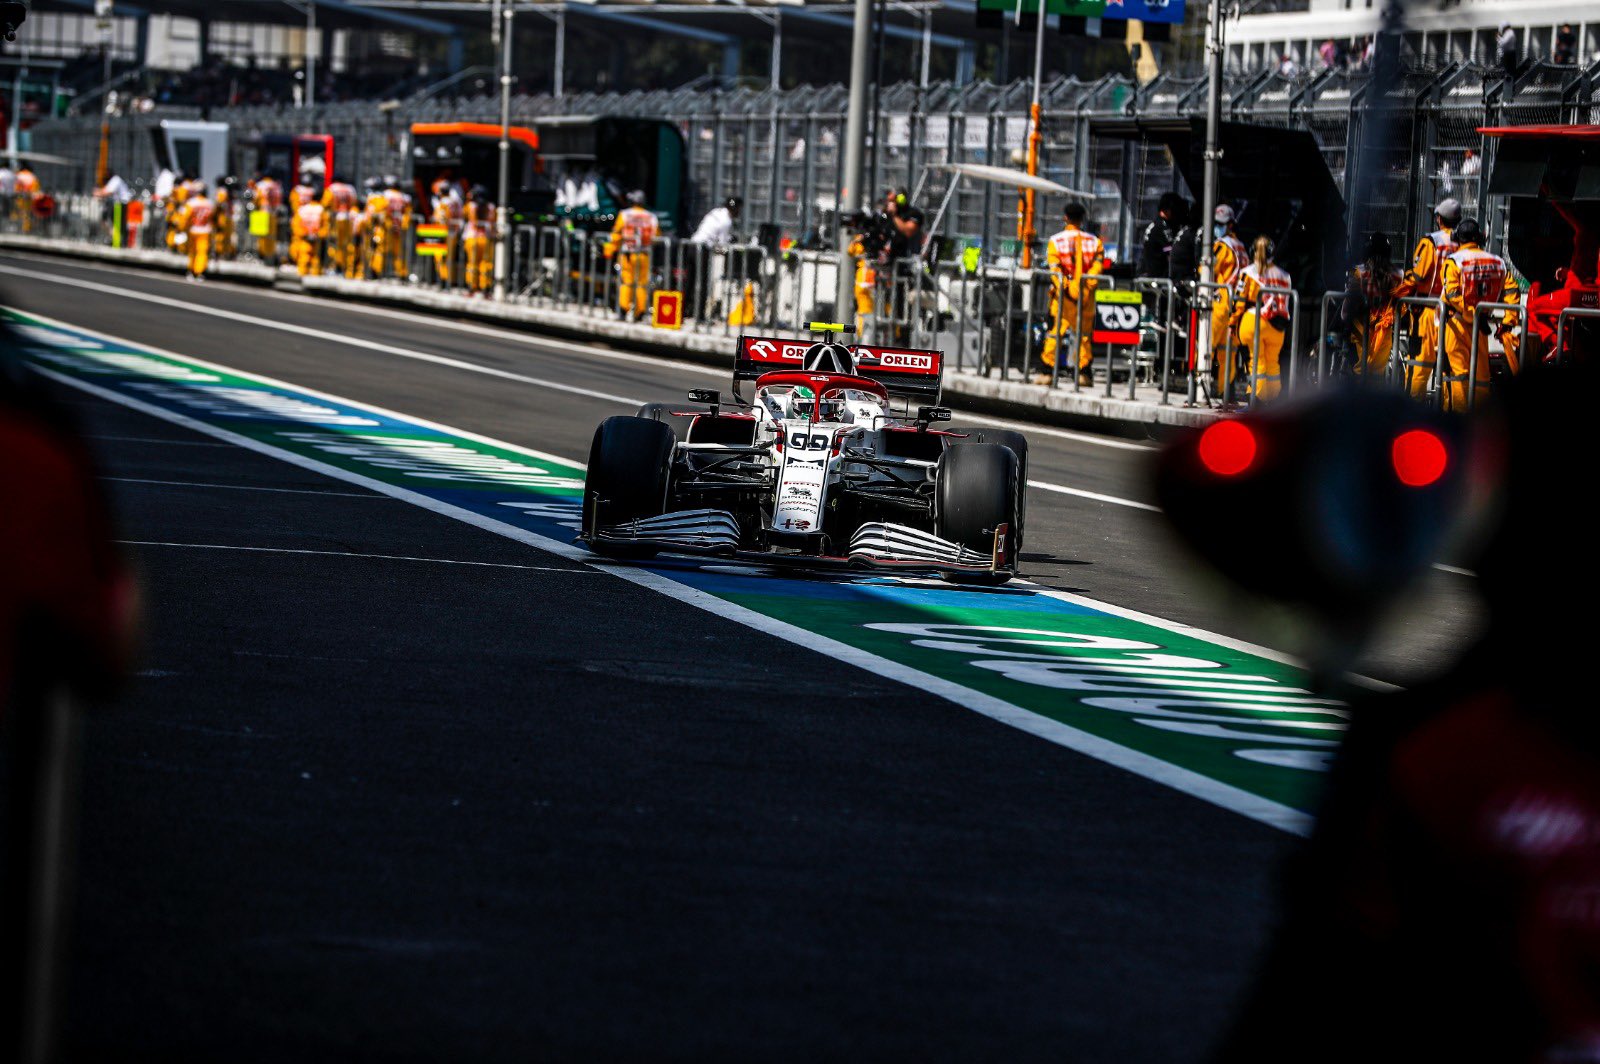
1419	458
1227	448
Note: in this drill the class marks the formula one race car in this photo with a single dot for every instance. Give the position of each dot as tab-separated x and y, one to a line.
818	469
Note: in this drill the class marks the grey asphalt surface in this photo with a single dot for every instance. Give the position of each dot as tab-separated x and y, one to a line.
1116	553
396	809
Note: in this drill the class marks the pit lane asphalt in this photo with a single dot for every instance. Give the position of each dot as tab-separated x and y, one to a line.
368	807
1116	553
364	807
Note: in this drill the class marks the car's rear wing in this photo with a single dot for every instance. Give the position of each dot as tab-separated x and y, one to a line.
912	374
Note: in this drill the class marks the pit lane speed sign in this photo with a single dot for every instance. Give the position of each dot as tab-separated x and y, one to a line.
1116	316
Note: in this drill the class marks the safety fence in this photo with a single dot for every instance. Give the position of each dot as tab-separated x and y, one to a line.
779	150
1142	338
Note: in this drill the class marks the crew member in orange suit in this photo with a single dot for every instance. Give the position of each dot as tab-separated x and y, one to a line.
1426	278
1076	257
311	229
477	238
1229	257
340	206
1473	275
197	219
635	230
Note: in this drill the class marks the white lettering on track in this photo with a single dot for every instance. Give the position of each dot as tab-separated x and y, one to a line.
434	460
119	363
254	403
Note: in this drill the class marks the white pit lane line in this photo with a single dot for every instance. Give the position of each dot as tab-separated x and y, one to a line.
472	367
156	439
1261	810
497	333
353	554
1083	493
242	487
320	334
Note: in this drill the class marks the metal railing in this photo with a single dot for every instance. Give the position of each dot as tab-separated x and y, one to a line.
1324	356
1477	346
1166	294
991	319
1201	360
1561	325
1285	381
1402	366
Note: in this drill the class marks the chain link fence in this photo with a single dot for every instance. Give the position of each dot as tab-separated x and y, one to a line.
968	295
780	150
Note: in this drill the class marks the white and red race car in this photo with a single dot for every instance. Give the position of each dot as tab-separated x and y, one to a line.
833	462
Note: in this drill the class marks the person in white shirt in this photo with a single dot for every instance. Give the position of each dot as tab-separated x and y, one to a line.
715	230
115	189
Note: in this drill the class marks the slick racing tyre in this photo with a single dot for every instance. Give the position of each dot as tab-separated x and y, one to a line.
1019	447
630	465
978	491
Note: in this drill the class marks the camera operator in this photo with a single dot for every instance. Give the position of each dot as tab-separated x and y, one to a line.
908	225
906	265
879	240
879	231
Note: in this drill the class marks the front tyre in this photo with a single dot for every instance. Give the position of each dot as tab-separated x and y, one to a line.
977	491
630	470
1019	446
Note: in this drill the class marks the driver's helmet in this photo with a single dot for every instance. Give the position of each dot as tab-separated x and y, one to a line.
803	400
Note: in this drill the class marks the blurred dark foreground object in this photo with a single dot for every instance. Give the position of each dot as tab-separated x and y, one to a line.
66	620
1325	510
12	16
1447	905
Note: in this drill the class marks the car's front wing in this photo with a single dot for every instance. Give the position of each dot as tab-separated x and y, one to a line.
875	545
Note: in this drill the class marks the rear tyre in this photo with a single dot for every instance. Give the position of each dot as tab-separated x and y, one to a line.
630	468
1019	447
977	492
